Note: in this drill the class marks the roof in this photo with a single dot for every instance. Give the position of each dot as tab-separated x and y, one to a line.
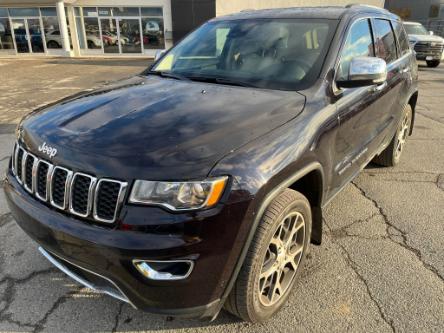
325	12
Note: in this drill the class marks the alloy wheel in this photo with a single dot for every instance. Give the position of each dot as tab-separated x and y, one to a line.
282	259
402	135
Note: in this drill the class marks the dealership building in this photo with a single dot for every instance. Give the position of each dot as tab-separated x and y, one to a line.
104	28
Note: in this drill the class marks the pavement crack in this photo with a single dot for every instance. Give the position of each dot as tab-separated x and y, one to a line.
42	322
117	318
440	181
355	269
399	233
343	232
5	219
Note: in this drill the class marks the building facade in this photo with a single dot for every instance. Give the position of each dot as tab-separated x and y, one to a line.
103	28
428	12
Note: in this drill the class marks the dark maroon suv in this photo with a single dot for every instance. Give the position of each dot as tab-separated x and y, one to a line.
201	182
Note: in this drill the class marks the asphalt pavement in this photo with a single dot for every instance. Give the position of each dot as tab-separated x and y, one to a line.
379	269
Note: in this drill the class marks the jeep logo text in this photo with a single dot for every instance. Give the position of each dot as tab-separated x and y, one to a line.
50	151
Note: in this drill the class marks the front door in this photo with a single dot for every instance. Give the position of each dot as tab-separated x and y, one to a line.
357	109
28	35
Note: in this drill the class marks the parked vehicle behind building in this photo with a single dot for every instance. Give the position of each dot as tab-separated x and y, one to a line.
201	182
427	46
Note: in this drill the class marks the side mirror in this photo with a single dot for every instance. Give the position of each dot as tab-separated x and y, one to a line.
159	54
364	71
431	33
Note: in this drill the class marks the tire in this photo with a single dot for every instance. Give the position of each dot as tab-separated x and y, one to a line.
392	154
53	45
247	301
91	44
433	63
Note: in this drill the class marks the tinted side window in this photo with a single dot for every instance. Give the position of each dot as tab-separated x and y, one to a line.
402	37
385	41
359	44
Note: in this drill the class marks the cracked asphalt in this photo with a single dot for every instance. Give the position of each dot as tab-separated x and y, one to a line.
379	269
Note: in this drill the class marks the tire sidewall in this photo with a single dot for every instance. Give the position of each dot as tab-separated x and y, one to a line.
260	311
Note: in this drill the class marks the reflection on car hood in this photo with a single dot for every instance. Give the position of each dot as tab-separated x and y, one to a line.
157	128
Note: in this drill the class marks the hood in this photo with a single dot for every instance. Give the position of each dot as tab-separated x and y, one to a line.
156	128
426	38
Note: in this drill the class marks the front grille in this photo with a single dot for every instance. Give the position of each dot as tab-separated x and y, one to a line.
107	199
75	192
18	164
429	48
59	184
81	188
29	165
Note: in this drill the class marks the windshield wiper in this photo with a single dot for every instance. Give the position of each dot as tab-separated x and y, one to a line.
169	75
220	80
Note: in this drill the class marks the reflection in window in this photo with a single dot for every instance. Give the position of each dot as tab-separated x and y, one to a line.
402	37
92	33
6	42
24	12
52	32
130	35
152	11
359	44
153	33
385	40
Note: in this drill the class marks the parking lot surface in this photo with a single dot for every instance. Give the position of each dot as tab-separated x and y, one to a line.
379	269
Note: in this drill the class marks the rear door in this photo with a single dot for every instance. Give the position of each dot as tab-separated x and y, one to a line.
392	95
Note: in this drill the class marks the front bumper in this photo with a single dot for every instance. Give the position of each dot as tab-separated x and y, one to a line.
212	239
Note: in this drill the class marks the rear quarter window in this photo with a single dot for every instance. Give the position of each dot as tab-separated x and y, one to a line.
403	42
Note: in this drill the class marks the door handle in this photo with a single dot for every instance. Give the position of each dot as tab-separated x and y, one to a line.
380	87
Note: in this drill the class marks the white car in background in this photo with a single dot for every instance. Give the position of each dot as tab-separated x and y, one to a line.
427	46
54	40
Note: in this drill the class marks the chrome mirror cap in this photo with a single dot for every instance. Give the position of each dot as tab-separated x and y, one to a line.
365	71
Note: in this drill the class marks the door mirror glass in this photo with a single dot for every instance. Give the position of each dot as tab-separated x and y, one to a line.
159	54
364	71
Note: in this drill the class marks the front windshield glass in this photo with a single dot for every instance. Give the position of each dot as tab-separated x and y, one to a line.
415	29
284	54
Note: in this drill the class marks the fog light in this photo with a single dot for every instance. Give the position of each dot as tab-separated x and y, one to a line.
167	270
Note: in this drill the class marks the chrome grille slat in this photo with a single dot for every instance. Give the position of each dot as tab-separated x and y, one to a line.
119	199
90	197
47	177
41	186
52	189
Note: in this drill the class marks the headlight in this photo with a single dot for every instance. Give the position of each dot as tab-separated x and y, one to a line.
179	195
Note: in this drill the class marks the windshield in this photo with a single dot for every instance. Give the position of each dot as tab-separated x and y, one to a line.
284	54
415	29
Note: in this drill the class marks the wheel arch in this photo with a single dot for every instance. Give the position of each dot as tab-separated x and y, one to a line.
297	181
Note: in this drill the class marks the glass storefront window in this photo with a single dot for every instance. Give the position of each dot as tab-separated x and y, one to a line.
48	11
77	11
153	35
152	11
89	11
80	33
6	42
52	32
92	33
17	12
3	12
130	35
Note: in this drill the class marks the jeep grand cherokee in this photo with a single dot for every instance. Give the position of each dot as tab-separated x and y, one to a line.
200	183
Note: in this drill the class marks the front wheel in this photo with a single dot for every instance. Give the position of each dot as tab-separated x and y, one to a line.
392	154
433	63
274	259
